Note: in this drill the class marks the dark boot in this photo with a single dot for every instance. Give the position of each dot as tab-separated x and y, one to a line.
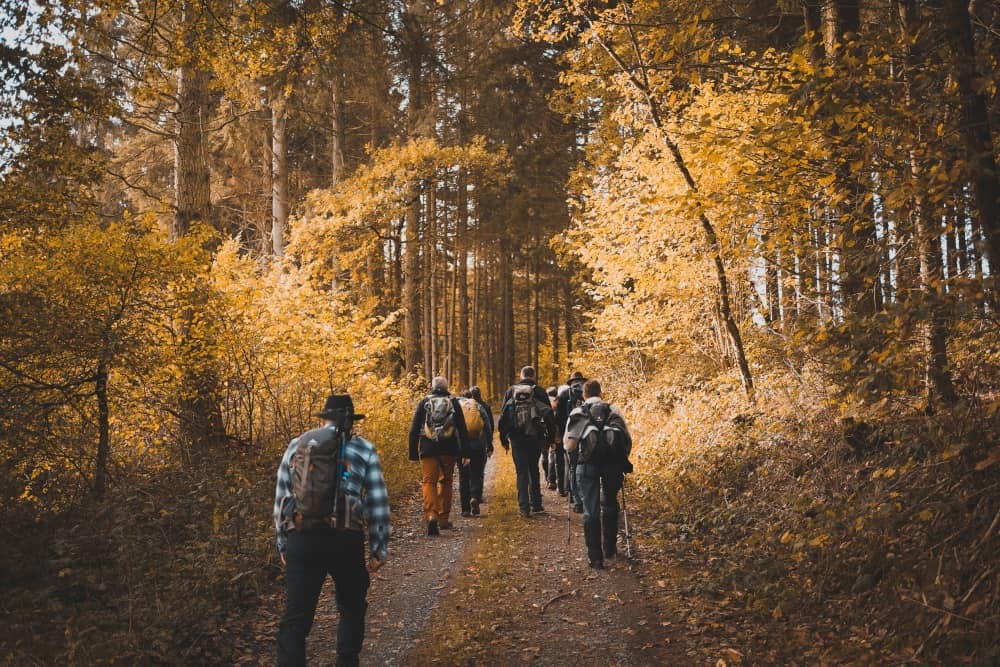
591	536
610	535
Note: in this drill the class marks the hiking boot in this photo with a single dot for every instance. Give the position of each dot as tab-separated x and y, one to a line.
524	514
578	508
563	493
552	486
475	507
597	564
445	524
432	527
538	510
466	513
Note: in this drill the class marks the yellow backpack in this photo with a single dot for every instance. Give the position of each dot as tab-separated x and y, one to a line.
473	419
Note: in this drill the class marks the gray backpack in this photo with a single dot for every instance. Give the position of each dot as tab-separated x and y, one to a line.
439	418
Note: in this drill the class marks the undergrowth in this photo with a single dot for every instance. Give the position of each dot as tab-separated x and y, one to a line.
861	534
150	574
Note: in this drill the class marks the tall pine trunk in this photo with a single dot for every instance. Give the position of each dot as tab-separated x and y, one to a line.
199	411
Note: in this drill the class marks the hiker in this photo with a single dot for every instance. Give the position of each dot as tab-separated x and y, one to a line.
555	473
472	476
330	486
570	397
597	431
437	438
526	422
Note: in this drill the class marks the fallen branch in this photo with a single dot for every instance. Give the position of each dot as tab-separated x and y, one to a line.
989	531
942	611
557	597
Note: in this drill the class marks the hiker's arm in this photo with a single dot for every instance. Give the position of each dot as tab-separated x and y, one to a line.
415	426
487	435
282	490
464	446
376	507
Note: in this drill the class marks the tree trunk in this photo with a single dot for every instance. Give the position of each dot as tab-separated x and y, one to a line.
411	285
937	377
462	342
337	129
976	127
103	429
199	411
507	343
191	171
279	171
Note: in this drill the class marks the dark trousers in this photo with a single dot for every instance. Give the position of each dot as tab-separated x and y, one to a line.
529	487
470	480
557	468
572	479
599	487
309	558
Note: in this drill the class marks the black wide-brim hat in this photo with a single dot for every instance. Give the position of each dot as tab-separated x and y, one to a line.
338	405
576	377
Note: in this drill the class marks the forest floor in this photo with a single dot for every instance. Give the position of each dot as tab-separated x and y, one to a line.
500	589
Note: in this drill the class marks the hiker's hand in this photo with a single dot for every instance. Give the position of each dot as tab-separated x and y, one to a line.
374	564
466	462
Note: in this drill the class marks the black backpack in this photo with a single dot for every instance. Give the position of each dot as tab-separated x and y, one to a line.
601	443
316	475
524	415
439	418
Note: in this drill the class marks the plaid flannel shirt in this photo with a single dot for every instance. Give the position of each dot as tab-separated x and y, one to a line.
364	481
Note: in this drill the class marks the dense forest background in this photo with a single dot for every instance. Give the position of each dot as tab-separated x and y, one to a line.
772	230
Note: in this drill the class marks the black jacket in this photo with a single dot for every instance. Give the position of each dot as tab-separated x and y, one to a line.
541	397
422	446
563	408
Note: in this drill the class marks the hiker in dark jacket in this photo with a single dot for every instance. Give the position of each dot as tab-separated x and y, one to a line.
437	438
472	476
529	440
570	397
312	547
601	469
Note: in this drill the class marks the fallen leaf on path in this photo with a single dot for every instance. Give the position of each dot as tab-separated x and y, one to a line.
732	655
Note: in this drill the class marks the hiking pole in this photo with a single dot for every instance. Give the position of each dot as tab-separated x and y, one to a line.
628	531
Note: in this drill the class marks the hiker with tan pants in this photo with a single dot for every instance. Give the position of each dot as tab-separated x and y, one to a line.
437	438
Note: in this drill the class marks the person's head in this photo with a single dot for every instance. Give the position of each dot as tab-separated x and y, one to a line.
476	392
339	410
467	393
591	388
577	376
528	373
552	391
439	384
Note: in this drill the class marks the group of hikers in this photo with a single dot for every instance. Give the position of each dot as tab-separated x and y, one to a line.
330	487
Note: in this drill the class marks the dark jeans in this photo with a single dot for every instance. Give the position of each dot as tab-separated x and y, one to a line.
470	480
309	558
572	479
557	472
599	486
528	482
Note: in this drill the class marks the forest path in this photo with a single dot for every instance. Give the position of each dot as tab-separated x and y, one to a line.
524	594
406	591
500	589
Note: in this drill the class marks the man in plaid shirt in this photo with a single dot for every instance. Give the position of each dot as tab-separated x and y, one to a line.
310	555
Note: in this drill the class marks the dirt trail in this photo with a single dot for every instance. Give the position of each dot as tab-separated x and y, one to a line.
406	591
526	595
537	602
